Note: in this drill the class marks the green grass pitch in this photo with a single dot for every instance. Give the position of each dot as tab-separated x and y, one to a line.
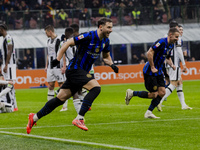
112	124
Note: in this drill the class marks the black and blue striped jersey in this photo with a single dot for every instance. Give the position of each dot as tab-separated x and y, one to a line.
89	47
162	49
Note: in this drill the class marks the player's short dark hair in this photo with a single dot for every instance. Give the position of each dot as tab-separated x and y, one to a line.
103	20
180	26
68	32
173	30
75	27
173	24
3	26
49	27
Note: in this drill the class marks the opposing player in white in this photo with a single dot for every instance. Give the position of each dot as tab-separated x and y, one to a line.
6	98
53	73
8	67
175	75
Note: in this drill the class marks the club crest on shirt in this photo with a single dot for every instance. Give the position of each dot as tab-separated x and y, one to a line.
80	36
89	75
97	50
155	88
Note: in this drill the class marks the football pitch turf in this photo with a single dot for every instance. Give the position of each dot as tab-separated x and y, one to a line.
111	123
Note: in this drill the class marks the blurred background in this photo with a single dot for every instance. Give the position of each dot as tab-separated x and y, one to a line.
137	24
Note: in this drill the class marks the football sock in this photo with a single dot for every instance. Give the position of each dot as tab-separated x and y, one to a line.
168	90
12	92
49	107
180	94
50	94
154	103
77	104
88	100
142	94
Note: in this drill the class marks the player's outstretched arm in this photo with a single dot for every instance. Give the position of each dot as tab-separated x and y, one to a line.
181	57
169	61
108	61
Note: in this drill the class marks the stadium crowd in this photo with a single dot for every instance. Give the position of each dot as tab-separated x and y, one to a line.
28	14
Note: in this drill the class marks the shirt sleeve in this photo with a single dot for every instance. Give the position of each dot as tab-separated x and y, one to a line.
157	45
9	40
81	38
107	46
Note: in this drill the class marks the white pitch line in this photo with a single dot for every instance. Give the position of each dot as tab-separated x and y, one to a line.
108	123
72	141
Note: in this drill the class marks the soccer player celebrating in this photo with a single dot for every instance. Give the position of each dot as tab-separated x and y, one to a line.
152	71
54	73
90	45
8	67
175	75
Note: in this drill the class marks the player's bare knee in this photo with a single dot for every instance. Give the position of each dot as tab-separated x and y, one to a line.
152	95
64	94
162	93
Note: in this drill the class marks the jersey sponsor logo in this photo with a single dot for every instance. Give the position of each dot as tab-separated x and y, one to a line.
157	45
80	37
94	55
92	44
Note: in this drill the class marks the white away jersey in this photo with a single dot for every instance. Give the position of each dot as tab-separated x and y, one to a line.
177	53
8	40
52	50
69	54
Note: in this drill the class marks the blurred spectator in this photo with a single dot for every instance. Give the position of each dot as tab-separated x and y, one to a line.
82	18
191	8
2	8
80	4
193	59
27	18
9	18
174	8
102	10
63	18
115	9
88	18
143	57
48	19
142	61
107	13
29	57
23	63
136	16
135	59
